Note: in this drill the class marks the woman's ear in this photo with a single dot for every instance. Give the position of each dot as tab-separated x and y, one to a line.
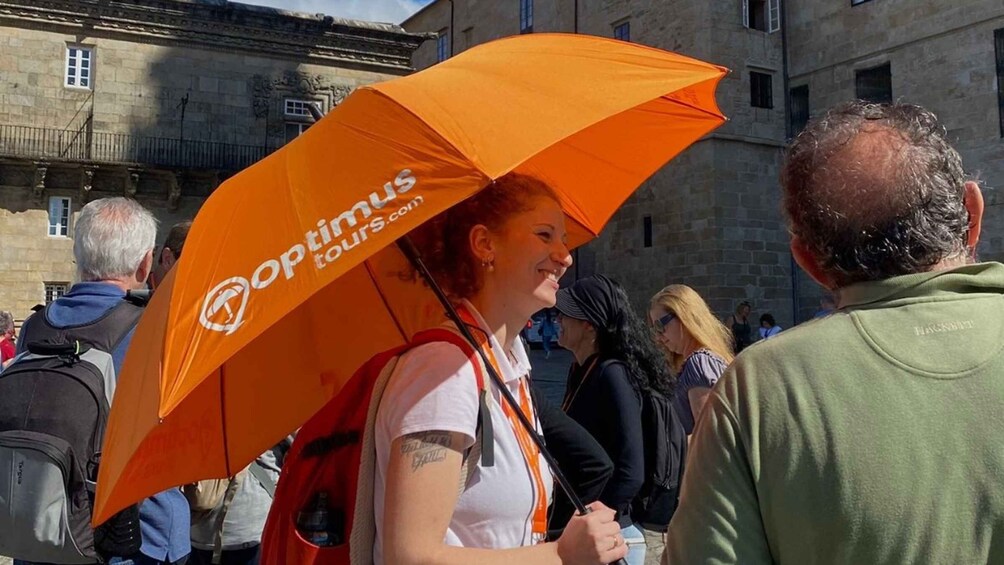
482	244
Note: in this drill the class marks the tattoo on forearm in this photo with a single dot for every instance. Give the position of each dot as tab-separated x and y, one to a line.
425	448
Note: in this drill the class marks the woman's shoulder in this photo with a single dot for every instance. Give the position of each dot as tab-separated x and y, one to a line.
703	359
431	367
614	377
432	387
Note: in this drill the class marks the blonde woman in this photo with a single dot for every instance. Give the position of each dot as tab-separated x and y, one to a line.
698	346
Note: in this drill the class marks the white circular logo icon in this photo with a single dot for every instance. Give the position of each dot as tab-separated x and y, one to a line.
223	308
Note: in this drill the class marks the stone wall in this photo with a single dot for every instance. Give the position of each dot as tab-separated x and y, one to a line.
160	91
30	257
941	56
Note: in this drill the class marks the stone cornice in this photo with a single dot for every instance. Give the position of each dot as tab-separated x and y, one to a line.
222	25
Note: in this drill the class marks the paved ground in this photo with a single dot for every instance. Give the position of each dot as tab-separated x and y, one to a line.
549	374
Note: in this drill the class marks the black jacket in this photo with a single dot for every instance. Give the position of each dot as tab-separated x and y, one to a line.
606	404
582	460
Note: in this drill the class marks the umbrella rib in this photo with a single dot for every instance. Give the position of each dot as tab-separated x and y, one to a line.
386	304
223	420
692	106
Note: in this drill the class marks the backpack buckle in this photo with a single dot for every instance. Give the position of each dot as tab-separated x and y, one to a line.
68	352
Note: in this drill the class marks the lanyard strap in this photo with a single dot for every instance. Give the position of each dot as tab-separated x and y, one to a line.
530	452
570	398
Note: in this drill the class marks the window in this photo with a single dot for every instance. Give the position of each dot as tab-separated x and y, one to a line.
59	216
761	90
443	46
78	66
762	15
799	112
874	84
299	108
647	231
623	31
999	49
294	129
526	16
856	2
54	290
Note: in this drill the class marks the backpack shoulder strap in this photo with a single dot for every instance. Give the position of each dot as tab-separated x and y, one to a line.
105	333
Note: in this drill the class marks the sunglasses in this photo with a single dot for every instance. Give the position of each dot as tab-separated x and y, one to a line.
659	325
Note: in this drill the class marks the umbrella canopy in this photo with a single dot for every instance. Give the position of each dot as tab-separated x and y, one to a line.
289	281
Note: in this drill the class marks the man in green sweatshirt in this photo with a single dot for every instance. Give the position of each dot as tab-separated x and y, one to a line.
876	434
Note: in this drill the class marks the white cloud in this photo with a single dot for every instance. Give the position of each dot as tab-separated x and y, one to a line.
393	11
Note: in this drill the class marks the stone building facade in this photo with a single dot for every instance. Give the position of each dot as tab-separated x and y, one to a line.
946	56
159	100
711	218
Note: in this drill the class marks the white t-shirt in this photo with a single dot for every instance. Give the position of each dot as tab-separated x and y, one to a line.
434	387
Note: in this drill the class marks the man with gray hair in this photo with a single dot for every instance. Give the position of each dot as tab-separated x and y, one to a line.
874	434
113	241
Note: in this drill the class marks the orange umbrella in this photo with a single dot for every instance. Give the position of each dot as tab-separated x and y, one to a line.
289	281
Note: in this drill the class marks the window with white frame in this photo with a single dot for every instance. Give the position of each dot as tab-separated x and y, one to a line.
294	129
443	46
54	290
622	31
526	16
762	15
59	216
79	66
299	108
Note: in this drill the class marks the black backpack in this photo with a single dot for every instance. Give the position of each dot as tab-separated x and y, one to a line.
54	404
665	444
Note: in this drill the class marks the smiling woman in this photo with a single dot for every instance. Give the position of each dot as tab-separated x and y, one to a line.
499	256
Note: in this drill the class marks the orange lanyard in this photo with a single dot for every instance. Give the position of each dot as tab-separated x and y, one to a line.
530	451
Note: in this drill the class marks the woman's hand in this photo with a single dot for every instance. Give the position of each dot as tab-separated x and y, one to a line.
592	538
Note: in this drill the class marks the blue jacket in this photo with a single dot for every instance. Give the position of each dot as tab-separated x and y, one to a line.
164	518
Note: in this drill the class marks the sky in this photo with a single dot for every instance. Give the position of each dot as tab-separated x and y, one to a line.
393	11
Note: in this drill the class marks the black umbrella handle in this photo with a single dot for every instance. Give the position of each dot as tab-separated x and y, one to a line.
411	252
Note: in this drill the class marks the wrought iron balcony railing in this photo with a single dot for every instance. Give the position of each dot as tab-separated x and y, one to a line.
117	148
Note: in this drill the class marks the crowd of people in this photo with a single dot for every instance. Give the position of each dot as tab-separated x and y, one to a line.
867	435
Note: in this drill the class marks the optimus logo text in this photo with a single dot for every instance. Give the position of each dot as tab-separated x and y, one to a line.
224	306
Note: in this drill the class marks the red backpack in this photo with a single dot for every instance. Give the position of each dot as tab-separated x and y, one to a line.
327	457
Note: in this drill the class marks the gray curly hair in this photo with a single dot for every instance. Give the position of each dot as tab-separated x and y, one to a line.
876	190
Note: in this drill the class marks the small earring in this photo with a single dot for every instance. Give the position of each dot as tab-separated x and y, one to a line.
488	264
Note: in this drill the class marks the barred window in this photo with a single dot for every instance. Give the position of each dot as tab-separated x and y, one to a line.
874	84
54	290
761	90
